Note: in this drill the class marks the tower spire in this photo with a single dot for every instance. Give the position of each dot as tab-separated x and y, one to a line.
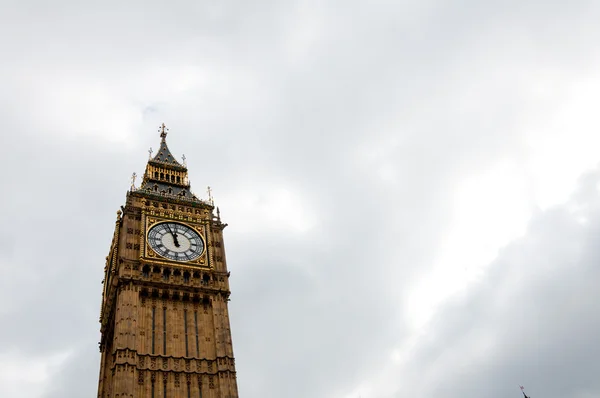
164	175
164	154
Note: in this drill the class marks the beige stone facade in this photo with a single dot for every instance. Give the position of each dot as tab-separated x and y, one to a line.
165	323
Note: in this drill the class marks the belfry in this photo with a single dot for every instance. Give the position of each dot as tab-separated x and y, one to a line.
164	318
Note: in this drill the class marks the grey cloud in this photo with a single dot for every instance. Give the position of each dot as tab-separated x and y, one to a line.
531	320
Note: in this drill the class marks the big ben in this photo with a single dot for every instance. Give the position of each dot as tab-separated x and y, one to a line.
164	318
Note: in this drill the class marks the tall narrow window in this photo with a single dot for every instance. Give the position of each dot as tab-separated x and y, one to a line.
189	390
164	330
152	389
199	389
186	332
196	324
153	328
165	389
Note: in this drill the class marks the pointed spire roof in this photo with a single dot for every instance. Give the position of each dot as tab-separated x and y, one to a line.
165	176
164	155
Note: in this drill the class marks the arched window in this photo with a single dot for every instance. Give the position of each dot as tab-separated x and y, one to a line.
186	277
178	179
146	271
166	274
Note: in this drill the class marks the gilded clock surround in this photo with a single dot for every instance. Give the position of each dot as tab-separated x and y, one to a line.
165	324
200	229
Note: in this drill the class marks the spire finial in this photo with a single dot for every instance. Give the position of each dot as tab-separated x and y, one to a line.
183	158
150	153
210	198
133	177
163	132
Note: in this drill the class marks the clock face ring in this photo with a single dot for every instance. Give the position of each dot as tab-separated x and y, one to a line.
175	241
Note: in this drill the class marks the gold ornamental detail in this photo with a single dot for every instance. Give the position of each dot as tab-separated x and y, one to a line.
149	254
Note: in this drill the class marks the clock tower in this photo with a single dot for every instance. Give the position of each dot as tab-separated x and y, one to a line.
164	319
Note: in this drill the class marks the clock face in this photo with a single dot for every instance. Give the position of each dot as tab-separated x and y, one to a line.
175	241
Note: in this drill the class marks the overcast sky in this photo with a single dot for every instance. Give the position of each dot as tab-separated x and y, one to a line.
411	187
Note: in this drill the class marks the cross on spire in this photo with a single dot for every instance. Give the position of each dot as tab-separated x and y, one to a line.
163	132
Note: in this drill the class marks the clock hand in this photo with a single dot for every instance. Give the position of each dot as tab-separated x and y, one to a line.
174	235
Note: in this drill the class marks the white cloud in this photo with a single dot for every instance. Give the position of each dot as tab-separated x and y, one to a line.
31	377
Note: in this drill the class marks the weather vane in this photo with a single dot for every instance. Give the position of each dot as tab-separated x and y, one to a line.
133	177
163	131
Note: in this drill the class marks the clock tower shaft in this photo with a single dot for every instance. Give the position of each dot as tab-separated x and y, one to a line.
165	329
